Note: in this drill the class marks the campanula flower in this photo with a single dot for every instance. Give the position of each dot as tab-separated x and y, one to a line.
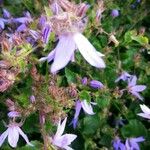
87	107
146	112
70	40
114	13
66	47
63	141
2	23
13	132
46	33
118	145
124	76
135	89
132	143
96	84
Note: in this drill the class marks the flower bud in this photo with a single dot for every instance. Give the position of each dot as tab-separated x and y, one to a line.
96	84
114	13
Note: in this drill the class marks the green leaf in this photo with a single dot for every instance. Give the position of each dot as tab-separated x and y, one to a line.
140	39
91	124
71	76
84	95
133	129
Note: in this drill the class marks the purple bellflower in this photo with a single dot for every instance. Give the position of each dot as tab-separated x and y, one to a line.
96	84
13	114
2	23
124	76
13	132
87	107
84	81
118	145
146	112
6	14
64	52
63	141
114	13
135	89
24	20
132	143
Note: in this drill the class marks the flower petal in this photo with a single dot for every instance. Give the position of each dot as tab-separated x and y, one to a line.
138	88
61	128
63	52
13	136
137	95
87	107
144	115
88	51
3	137
24	136
145	109
49	58
132	81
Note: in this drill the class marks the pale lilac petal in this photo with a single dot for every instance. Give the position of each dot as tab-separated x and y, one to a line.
46	33
88	51
138	139
13	136
145	109
22	20
64	141
24	136
49	58
67	139
144	115
56	9
87	107
78	108
2	25
3	137
34	34
21	28
137	95
63	53
67	148
13	114
138	88
6	13
61	128
132	81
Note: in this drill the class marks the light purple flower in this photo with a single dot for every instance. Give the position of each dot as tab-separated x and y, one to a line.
132	143
46	33
32	99
118	145
64	52
84	81
6	14
35	34
13	132
82	9
114	13
42	21
146	112
96	84
124	76
135	89
87	107
13	114
22	28
24	20
2	23
63	141
56	9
